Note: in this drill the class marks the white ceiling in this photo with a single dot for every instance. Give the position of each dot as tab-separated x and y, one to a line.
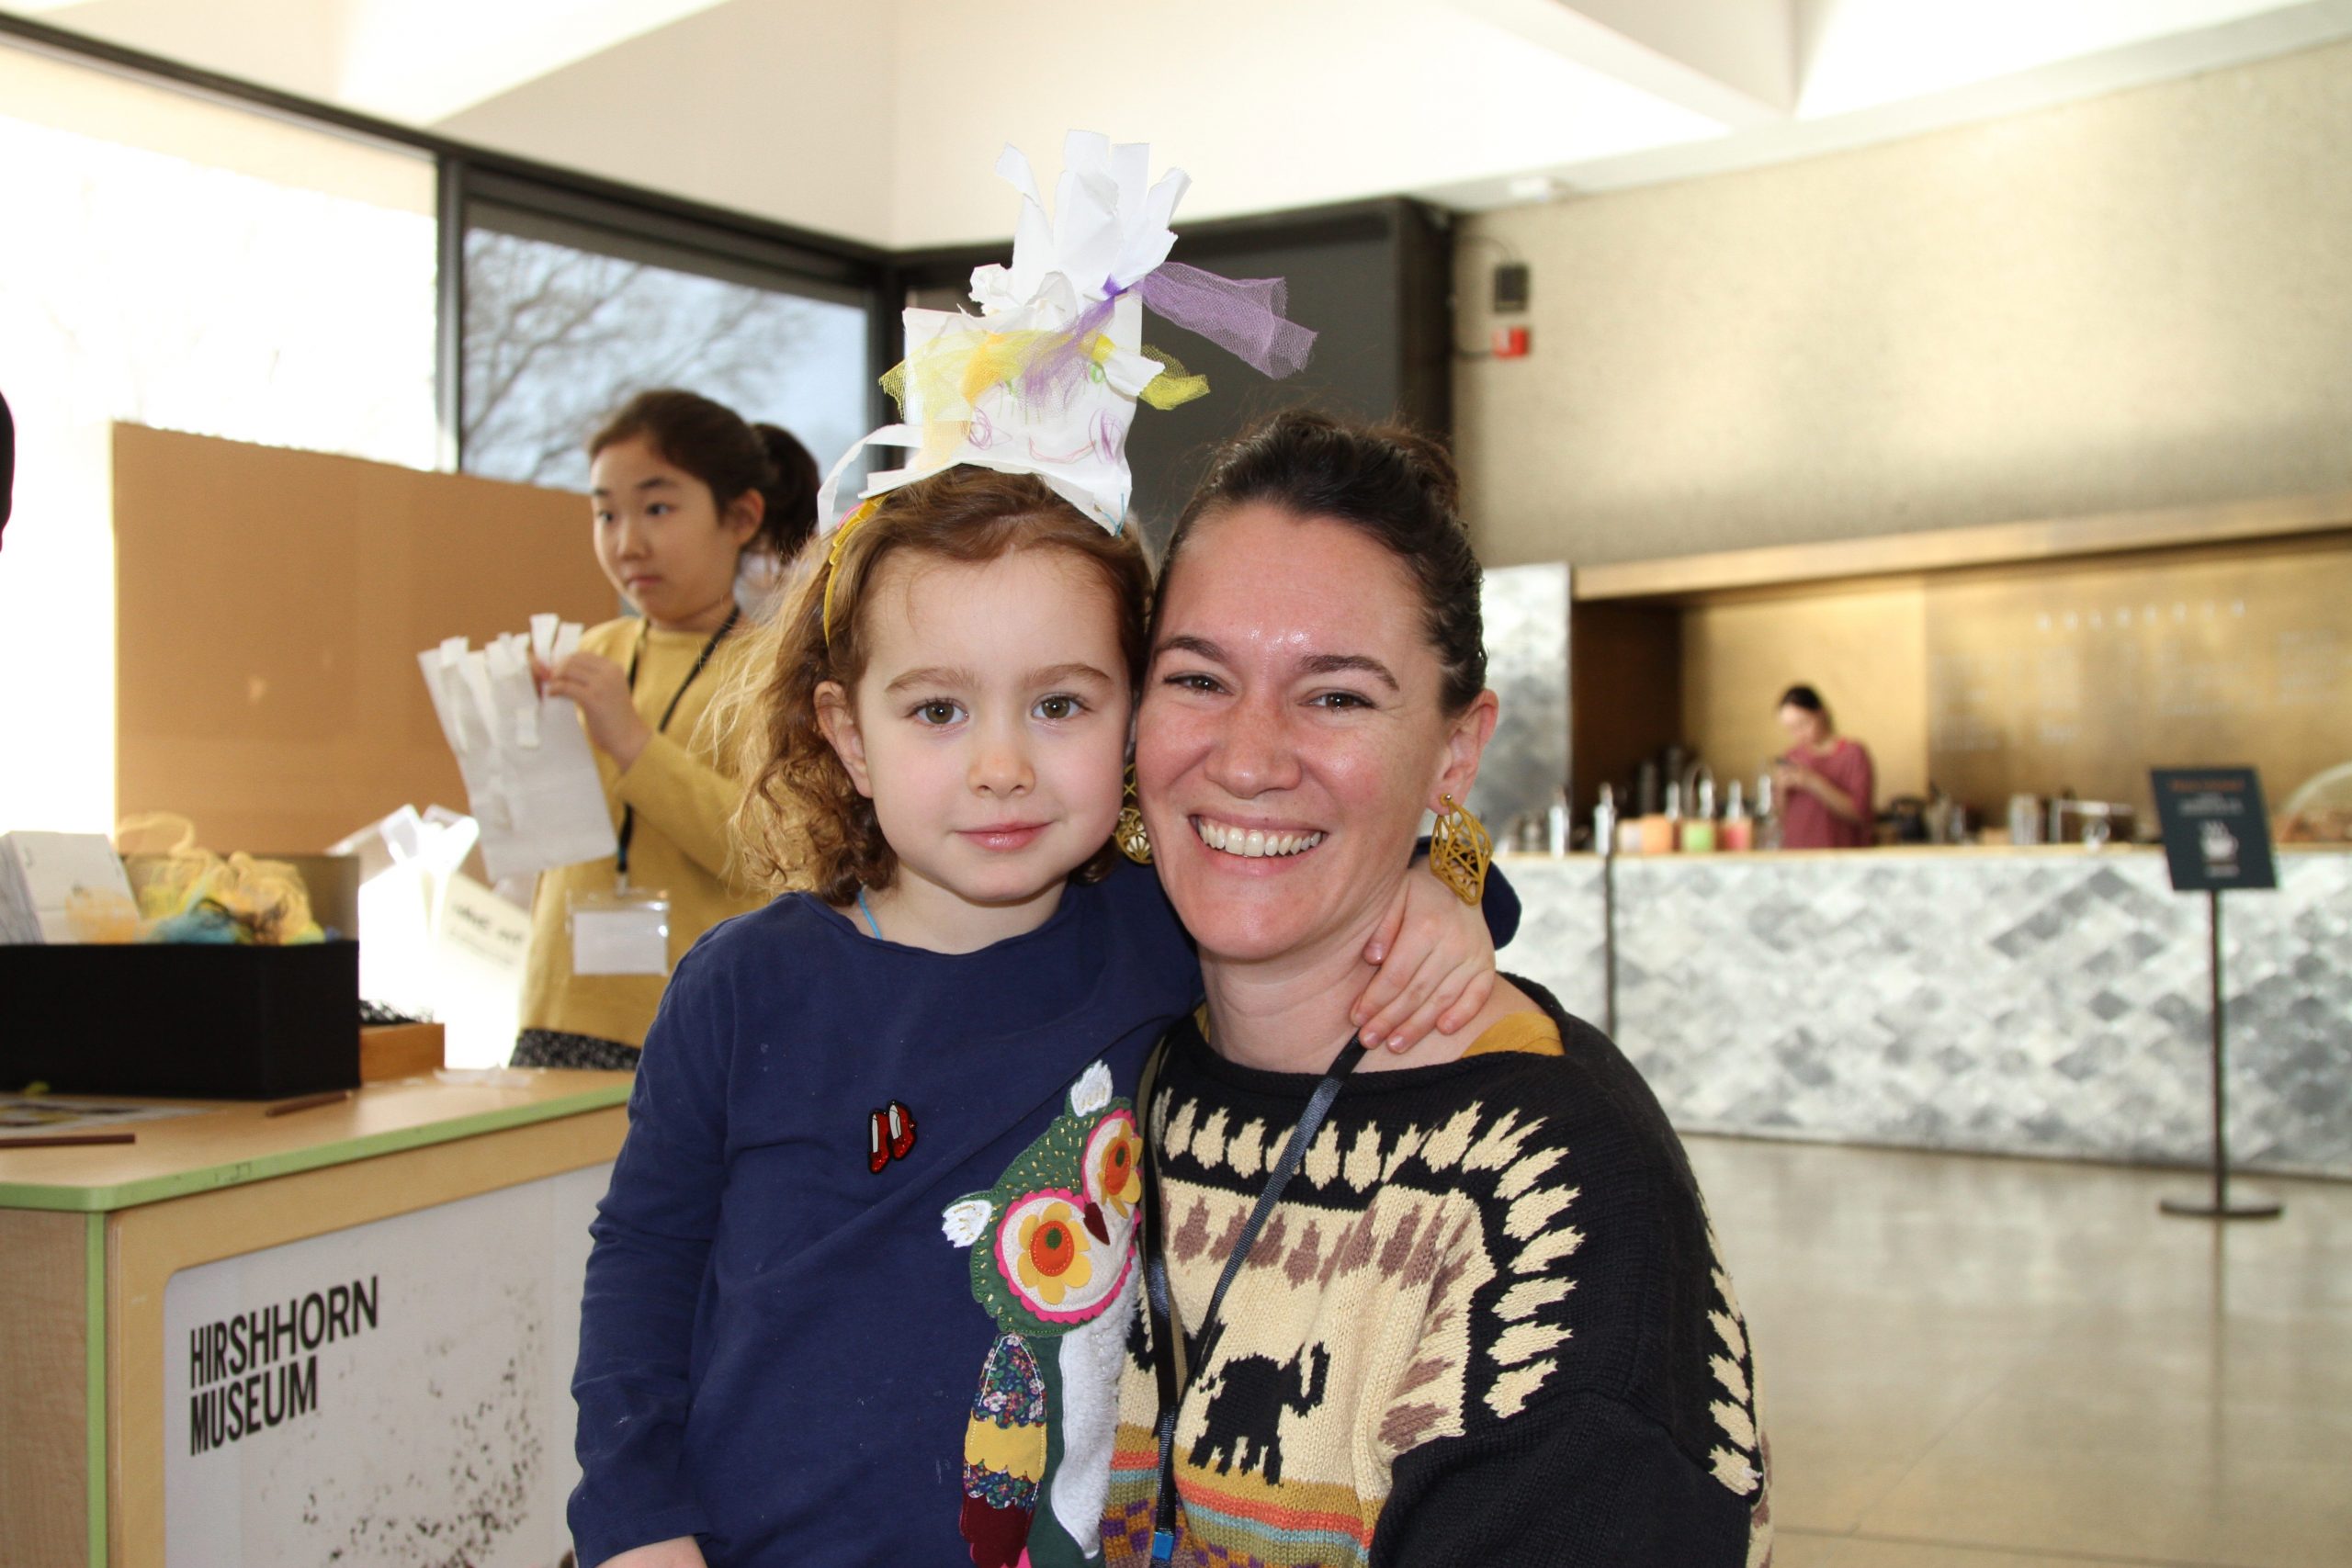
879	120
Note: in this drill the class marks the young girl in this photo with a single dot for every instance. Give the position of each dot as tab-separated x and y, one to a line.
683	492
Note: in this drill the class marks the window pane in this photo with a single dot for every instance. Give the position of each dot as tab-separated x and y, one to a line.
557	337
183	264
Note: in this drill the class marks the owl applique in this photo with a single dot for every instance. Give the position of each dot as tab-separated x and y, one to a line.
1053	1261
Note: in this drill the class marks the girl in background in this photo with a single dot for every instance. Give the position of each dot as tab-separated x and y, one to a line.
682	490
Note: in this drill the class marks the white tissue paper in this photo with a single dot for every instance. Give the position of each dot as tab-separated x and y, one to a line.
530	777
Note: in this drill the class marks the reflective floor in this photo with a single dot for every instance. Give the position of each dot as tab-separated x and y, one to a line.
1988	1363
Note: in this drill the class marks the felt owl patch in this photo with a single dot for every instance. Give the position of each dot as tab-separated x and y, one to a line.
1053	1262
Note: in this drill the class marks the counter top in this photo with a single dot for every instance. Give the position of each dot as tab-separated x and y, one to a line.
232	1141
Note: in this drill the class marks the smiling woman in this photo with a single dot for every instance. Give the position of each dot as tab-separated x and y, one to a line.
1482	1319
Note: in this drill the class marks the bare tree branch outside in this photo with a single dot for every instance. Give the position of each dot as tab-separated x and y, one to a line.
556	338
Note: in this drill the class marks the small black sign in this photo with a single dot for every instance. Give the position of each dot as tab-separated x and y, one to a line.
2217	835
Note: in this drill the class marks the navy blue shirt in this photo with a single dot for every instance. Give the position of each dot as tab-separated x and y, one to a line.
779	1348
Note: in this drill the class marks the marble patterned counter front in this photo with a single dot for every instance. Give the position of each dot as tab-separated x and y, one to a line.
2036	1002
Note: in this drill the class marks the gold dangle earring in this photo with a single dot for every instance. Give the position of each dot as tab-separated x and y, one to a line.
1460	851
1132	837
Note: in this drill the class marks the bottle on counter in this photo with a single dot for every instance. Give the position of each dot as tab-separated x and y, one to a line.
1646	794
1555	823
1699	830
1768	816
1738	831
1662	834
1604	823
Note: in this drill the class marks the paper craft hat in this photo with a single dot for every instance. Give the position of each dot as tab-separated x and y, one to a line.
1044	380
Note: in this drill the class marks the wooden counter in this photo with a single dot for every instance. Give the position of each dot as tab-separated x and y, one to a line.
95	1235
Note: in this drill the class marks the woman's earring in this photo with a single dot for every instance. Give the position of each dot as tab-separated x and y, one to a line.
1460	851
1132	837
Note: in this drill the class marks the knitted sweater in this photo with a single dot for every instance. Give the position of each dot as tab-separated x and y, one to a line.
1485	1325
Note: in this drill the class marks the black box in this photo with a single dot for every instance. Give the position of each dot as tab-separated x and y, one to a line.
190	1020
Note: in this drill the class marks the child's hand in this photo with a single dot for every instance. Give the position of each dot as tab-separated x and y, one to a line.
681	1552
601	689
1437	967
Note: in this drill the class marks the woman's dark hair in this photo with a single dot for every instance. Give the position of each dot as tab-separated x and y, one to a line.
714	444
1392	482
1804	697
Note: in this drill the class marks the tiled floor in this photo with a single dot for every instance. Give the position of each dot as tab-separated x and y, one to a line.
1987	1363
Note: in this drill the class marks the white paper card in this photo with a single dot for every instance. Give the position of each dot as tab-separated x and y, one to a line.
622	935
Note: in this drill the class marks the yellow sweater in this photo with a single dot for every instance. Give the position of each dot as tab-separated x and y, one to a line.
684	795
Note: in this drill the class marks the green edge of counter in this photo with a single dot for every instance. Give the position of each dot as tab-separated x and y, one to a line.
235	1173
94	1361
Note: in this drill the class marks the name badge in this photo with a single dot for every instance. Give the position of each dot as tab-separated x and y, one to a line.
619	933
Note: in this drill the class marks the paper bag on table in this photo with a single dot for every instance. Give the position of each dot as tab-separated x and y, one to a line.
530	777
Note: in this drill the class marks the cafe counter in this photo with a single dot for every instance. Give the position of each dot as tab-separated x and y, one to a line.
2050	1002
343	1333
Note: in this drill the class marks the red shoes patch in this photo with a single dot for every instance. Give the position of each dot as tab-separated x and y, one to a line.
890	1134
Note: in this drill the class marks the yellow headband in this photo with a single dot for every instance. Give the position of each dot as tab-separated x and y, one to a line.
833	557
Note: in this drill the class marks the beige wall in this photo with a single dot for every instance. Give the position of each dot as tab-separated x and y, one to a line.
2137	300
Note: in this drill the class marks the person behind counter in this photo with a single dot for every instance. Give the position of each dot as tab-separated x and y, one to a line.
1825	779
683	489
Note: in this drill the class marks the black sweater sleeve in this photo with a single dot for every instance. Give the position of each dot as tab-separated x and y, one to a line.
1577	1479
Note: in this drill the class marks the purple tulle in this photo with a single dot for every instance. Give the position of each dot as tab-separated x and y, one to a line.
1054	378
1241	315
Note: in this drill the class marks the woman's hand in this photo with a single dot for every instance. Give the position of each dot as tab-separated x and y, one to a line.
681	1552
1437	967
601	689
1790	776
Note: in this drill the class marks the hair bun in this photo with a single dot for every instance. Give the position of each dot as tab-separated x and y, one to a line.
1431	462
791	492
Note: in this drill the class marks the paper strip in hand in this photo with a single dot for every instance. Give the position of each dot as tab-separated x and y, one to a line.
530	777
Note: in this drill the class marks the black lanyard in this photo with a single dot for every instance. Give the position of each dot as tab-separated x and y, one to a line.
1164	1327
629	812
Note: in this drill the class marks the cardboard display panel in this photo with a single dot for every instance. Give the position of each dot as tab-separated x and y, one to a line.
269	607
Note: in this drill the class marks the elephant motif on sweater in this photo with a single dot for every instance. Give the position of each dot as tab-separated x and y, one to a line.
1247	1400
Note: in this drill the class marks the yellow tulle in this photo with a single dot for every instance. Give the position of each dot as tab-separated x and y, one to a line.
1172	386
946	378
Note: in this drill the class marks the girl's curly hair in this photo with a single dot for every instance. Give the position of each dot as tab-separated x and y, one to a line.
802	823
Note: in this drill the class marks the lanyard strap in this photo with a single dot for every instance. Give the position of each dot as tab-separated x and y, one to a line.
1174	1382
629	812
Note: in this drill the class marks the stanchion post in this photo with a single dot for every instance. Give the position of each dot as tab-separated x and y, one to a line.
2219	1206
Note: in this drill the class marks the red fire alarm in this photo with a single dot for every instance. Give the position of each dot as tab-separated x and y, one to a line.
1508	343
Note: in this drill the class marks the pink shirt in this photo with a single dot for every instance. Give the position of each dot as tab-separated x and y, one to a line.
1806	823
